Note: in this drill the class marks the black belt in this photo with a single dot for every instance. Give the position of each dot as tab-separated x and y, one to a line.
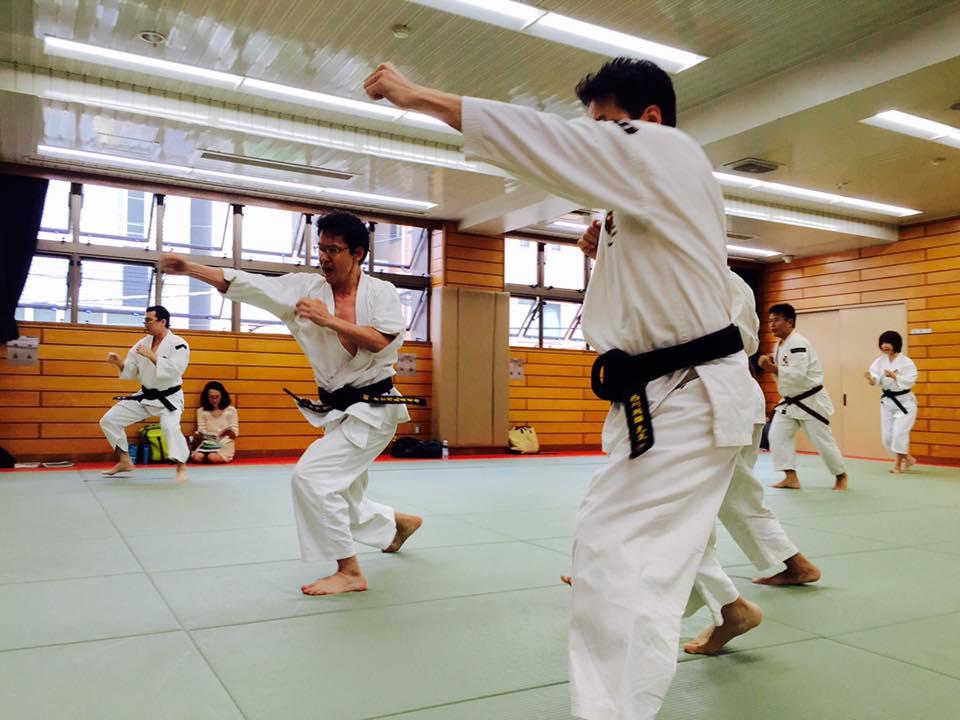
341	399
152	394
893	394
625	377
796	400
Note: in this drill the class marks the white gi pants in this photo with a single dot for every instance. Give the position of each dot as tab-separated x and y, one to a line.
126	412
783	443
641	535
328	485
895	426
753	527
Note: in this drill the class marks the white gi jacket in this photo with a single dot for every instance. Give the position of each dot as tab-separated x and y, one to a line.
660	277
905	380
173	356
799	370
378	306
744	316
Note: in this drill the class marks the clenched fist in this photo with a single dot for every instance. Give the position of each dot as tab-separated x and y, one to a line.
314	310
589	240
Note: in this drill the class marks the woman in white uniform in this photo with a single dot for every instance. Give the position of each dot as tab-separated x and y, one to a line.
896	374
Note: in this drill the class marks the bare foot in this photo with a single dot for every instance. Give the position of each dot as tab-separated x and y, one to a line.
566	579
790	483
407	525
841	484
181	476
339	582
800	571
909	463
121	467
895	469
739	617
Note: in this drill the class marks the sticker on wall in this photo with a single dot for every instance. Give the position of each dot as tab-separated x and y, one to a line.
23	350
516	369
406	364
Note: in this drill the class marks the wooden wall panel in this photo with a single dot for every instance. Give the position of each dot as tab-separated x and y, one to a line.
52	411
923	269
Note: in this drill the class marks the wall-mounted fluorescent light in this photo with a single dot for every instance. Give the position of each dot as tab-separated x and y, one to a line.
253	86
179	171
567	31
781	190
916	126
750	252
132	61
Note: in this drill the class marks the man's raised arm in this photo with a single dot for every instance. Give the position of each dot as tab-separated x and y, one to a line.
176	265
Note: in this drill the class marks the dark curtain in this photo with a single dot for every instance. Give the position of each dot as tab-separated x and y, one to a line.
21	207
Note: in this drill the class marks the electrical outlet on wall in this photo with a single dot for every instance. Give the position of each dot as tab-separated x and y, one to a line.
416	429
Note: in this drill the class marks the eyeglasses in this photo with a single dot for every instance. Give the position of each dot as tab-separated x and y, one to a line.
331	250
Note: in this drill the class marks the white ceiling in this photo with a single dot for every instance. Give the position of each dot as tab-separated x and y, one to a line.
786	82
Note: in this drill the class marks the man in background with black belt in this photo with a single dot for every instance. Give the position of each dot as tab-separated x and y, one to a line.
350	326
805	403
158	361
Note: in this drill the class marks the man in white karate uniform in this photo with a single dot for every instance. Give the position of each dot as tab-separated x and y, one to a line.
751	524
350	326
804	401
158	361
659	284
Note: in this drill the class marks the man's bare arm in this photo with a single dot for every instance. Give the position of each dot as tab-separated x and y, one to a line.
177	265
388	83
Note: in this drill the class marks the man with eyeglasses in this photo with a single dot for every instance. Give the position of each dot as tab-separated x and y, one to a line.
158	361
350	326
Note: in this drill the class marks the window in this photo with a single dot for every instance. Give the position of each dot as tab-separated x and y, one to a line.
45	297
399	250
546	281
114	293
192	226
278	236
116	217
121	232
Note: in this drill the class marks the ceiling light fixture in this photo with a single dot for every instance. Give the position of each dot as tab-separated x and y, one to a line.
383	201
252	86
520	17
832	199
131	61
751	252
916	126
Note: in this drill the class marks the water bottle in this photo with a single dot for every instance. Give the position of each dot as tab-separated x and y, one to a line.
445	453
133	450
145	453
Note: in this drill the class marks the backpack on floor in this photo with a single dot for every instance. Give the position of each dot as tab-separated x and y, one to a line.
151	436
523	440
408	447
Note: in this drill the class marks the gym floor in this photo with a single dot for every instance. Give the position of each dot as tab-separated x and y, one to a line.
136	598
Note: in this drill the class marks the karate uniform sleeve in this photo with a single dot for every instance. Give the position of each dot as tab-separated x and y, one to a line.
907	375
802	369
172	364
388	313
597	164
276	295
131	370
875	372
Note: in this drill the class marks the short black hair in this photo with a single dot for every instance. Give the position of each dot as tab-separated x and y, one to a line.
784	310
224	395
347	226
633	85
892	337
161	312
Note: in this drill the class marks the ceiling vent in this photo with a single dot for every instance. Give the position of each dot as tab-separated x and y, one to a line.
754	166
275	165
740	237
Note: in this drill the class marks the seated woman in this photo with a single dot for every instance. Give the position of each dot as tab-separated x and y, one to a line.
217	426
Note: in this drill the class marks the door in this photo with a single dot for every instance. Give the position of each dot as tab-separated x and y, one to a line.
846	341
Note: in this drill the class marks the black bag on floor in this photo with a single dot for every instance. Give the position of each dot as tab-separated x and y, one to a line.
765	437
408	447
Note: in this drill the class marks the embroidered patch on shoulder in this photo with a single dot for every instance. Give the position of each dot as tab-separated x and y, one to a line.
798	349
626	127
181	345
